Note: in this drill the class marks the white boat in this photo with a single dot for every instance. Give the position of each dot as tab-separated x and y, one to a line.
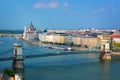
61	48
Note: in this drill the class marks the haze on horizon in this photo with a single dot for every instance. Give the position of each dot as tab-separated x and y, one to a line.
60	14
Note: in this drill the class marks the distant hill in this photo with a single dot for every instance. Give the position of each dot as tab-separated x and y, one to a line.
12	31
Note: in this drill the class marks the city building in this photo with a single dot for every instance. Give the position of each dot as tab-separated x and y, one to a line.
68	39
116	38
30	33
52	38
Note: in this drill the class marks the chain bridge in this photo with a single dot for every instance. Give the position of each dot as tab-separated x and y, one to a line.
28	54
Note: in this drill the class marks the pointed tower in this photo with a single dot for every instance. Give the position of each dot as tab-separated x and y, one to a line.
31	27
25	33
25	29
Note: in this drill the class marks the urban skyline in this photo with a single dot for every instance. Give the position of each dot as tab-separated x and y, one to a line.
59	14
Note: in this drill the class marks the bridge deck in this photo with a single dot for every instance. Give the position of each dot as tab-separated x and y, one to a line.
55	54
45	55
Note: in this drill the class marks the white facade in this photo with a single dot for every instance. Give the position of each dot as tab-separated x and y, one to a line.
77	40
30	33
17	50
18	76
117	40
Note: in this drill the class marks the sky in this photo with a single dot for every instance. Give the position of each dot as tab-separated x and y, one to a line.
60	14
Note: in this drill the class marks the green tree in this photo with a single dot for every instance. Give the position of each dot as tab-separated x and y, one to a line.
8	72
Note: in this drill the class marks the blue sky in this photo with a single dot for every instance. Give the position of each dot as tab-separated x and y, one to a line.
60	14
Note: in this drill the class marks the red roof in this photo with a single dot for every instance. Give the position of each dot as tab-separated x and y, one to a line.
86	32
115	36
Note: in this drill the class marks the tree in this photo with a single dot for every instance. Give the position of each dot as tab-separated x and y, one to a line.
71	44
8	72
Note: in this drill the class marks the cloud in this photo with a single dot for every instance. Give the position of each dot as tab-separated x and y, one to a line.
100	10
113	8
39	5
46	5
65	5
52	4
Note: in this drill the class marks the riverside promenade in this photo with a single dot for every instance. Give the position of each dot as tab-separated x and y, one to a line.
47	45
6	34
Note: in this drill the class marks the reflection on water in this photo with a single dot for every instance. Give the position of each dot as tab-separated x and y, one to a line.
106	69
21	72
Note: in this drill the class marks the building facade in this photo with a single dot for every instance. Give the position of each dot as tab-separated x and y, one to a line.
30	33
52	38
76	40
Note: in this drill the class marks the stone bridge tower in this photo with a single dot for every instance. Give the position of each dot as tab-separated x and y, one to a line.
18	61
105	47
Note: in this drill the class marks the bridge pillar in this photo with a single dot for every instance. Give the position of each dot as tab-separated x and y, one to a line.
106	52
18	61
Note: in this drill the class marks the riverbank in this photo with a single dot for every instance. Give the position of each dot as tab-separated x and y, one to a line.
39	43
116	53
1	35
11	35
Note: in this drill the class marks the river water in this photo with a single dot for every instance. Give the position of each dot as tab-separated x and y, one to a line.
84	66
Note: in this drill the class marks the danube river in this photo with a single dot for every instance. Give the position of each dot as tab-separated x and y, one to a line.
83	66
